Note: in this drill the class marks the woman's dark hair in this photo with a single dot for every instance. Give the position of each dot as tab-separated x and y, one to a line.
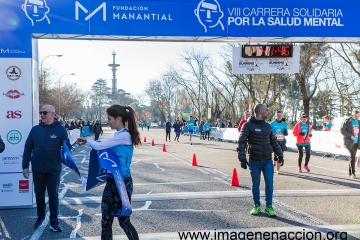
129	120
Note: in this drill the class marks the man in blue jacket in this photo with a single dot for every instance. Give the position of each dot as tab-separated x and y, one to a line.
42	149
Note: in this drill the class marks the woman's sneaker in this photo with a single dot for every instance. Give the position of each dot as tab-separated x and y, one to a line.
307	168
299	170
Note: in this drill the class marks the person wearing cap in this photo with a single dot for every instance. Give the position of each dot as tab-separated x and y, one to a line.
2	145
257	134
280	130
302	131
350	131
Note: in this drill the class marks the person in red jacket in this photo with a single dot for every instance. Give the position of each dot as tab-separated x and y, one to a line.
247	115
302	131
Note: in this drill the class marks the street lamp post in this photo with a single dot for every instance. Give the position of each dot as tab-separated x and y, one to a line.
59	88
41	68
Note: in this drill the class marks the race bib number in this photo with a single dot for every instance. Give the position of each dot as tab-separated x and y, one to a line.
280	137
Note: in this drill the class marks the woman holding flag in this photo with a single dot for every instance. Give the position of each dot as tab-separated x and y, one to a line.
302	131
123	119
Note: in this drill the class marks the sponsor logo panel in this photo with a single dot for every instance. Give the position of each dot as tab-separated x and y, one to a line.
14	137
23	186
13	73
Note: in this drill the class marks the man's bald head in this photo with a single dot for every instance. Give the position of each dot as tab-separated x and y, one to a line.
258	107
261	111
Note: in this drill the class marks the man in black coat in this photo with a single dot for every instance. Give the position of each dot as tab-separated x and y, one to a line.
351	136
42	150
2	145
257	135
97	129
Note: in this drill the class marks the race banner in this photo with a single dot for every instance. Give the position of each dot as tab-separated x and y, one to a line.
100	161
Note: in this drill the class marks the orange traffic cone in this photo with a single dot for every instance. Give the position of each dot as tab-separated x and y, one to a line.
144	139
152	143
164	148
194	162
235	180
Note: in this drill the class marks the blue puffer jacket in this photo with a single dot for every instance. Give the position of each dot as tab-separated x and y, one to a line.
177	127
43	146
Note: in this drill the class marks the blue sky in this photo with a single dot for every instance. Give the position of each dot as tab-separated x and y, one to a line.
139	61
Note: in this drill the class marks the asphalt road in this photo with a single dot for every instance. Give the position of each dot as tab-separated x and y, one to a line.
171	196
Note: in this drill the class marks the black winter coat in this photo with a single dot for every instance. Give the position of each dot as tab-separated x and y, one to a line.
347	130
258	136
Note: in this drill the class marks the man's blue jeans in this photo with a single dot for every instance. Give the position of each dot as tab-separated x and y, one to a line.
267	167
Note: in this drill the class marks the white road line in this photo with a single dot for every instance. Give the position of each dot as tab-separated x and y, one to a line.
284	212
145	207
329	169
169	183
157	166
78	224
210	170
223	181
298	211
3	227
82	161
202	171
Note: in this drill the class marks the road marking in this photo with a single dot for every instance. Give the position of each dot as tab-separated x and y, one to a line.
223	181
304	214
170	183
4	229
157	166
329	169
202	171
78	224
240	193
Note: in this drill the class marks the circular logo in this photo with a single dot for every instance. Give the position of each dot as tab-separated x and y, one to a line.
13	73
14	137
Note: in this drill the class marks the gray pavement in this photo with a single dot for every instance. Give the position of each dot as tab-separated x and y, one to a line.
171	196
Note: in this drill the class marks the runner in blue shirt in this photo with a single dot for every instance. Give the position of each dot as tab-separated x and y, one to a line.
280	130
191	125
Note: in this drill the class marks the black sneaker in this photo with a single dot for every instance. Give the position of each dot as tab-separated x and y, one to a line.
39	222
54	225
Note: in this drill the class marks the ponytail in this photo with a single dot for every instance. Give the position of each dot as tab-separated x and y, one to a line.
132	126
128	117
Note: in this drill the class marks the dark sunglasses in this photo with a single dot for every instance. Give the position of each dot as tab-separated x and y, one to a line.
305	116
278	111
44	112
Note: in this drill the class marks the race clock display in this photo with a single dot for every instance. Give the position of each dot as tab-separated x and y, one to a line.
266	51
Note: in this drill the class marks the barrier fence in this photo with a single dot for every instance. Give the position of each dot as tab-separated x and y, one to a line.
323	143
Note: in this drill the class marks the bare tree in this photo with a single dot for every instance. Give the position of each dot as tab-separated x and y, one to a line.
312	61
